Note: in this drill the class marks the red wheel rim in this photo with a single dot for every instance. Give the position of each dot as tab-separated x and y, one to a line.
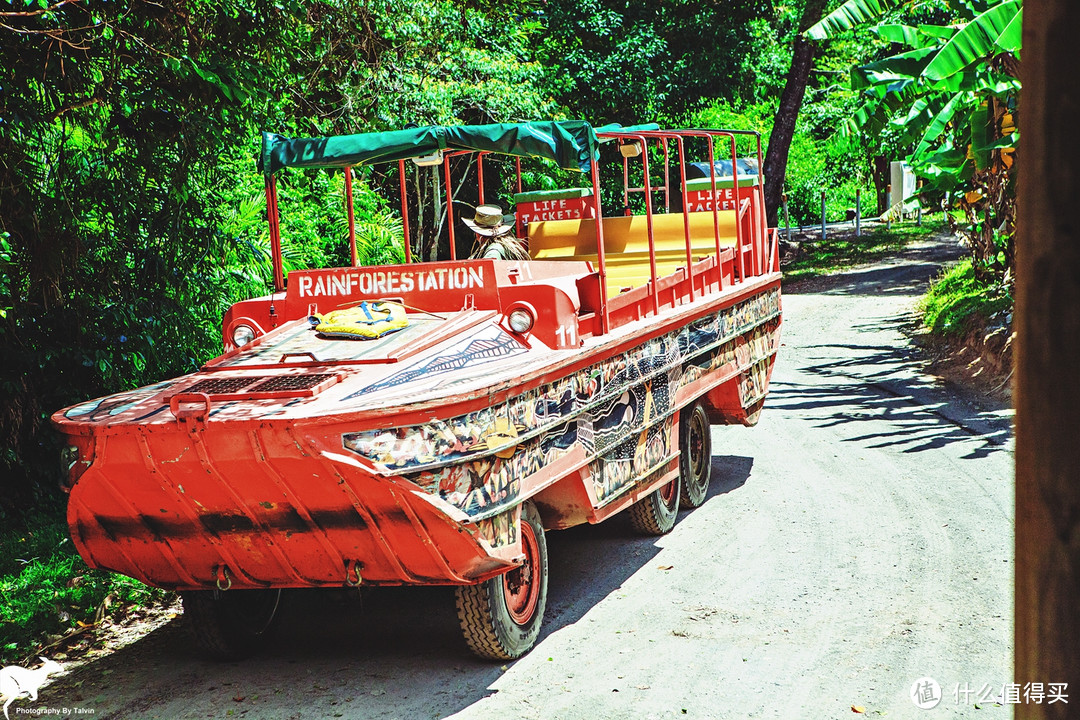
521	586
667	493
697	444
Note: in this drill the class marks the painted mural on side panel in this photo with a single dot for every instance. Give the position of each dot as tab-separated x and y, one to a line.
619	411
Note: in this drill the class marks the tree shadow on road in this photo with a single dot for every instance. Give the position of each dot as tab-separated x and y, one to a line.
383	653
908	416
843	383
589	562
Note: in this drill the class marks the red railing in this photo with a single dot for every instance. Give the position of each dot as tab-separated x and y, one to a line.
756	250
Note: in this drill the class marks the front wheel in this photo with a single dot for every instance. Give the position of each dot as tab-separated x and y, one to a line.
501	617
695	463
230	625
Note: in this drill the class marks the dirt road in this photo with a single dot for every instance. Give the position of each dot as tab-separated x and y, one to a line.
858	539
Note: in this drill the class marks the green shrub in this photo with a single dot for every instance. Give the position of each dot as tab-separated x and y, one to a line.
842	250
46	588
835	164
958	298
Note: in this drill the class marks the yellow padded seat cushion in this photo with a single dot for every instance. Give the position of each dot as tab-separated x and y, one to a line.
626	243
565	239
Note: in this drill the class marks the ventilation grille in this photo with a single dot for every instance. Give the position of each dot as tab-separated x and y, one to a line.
261	384
285	383
223	386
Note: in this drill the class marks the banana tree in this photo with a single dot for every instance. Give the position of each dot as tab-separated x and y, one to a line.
951	94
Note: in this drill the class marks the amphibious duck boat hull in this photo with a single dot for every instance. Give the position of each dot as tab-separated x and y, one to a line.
305	461
513	397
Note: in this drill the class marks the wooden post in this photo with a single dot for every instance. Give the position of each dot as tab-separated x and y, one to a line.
787	221
918	199
1047	386
858	212
822	214
888	207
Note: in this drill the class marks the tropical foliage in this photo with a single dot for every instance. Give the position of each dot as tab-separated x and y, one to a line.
130	212
619	61
950	96
131	215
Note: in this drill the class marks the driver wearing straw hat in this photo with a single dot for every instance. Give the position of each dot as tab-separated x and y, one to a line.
488	221
499	243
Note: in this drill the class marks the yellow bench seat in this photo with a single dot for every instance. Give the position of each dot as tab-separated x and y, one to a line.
626	243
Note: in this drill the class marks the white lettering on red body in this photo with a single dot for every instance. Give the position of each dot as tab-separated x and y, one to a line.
392	282
575	214
701	200
567	209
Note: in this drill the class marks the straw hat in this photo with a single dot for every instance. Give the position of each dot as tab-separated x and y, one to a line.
488	221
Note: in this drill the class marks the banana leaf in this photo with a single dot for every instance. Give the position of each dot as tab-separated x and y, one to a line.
1001	143
922	112
944	32
874	115
978	39
946	169
901	69
1010	38
957	103
981	127
903	35
848	15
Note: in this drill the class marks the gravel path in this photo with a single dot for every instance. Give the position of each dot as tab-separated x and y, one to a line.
858	539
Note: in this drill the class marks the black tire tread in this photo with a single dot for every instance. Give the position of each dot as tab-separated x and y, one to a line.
473	611
205	628
688	499
480	607
216	635
647	515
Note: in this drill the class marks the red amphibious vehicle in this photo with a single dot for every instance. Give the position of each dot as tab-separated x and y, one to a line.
427	423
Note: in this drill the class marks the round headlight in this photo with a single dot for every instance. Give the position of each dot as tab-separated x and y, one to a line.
520	321
242	335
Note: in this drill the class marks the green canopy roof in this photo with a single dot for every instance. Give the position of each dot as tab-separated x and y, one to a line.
570	143
616	127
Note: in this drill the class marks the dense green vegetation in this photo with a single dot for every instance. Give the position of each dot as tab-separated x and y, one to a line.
46	588
960	302
131	213
949	94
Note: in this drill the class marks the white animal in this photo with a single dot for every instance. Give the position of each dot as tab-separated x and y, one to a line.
17	682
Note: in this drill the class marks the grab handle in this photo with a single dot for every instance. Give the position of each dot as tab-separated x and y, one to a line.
286	356
196	413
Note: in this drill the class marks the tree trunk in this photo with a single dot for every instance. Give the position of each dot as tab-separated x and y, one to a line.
1047	391
881	179
802	60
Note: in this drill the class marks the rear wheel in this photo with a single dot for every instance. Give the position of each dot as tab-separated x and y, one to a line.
230	625
655	513
695	462
501	617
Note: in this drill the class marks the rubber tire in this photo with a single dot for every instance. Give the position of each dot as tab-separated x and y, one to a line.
653	514
483	611
230	625
695	460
